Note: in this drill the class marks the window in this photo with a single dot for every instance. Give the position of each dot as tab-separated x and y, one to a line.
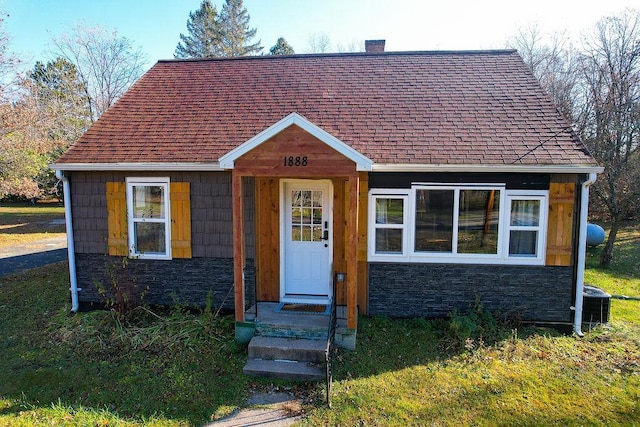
526	237
463	223
389	223
306	216
148	218
459	221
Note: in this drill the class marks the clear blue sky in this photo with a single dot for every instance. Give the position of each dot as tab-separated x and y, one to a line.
155	25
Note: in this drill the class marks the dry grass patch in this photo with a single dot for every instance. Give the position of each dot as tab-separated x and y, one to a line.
24	223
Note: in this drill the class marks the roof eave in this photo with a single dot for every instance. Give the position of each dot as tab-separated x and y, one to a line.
487	168
129	166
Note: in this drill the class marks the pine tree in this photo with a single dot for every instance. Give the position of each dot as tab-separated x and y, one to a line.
281	48
204	36
234	27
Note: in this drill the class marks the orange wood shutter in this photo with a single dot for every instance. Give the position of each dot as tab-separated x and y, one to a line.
180	220
117	240
560	226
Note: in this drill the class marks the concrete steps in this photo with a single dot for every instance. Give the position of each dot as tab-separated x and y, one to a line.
286	358
284	369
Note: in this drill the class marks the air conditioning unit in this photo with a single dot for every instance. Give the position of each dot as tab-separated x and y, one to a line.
595	306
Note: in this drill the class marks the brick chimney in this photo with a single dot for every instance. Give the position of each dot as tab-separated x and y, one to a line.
374	46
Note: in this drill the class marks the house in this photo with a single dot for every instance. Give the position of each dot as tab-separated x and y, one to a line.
420	181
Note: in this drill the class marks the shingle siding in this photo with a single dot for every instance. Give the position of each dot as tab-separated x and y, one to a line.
211	216
435	290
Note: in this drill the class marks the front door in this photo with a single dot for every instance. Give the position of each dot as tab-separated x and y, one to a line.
307	241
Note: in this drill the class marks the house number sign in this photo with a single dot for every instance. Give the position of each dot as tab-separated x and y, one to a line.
290	161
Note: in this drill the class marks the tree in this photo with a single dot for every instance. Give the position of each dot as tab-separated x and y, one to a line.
106	64
212	35
204	36
319	43
7	62
609	122
281	48
235	30
598	88
38	126
553	64
60	91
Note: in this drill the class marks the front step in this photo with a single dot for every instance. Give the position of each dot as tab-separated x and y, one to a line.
301	350
293	359
284	369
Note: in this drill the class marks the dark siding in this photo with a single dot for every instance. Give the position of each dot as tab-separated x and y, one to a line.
513	181
211	216
532	293
180	281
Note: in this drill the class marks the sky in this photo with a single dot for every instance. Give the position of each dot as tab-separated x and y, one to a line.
155	25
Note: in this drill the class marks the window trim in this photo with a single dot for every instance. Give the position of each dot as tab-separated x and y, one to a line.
373	227
501	257
453	256
148	181
543	197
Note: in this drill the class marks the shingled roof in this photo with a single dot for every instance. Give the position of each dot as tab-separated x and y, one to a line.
396	108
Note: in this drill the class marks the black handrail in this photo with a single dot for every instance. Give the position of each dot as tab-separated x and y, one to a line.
331	335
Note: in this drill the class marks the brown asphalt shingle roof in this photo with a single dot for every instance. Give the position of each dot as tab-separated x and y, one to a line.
480	107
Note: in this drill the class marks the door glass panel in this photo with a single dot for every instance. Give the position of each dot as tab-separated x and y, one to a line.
306	216
317	233
296	233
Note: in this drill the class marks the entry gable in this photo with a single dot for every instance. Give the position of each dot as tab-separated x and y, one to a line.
294	120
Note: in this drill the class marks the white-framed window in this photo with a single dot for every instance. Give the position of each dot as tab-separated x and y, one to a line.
389	217
148	218
526	227
466	223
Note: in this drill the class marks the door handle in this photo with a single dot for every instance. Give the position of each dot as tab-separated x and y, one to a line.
325	236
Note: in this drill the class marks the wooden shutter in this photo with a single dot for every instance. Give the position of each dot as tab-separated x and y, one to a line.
117	240
560	224
180	220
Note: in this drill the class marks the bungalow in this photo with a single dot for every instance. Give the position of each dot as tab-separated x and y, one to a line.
418	181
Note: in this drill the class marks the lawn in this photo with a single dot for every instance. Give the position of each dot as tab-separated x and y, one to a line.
178	368
25	222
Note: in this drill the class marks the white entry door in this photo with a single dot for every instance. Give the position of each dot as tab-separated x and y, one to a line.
307	241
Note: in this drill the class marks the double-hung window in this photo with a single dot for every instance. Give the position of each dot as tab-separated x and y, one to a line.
148	218
526	227
389	218
473	223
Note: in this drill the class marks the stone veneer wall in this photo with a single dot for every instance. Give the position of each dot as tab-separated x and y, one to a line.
184	282
531	293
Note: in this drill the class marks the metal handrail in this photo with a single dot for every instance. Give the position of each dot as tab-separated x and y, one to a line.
331	335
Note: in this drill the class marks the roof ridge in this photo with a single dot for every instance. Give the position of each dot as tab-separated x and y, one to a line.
347	54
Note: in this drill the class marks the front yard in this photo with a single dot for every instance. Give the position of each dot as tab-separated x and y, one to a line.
182	368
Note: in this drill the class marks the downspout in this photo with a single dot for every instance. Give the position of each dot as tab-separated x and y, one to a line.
71	252
582	250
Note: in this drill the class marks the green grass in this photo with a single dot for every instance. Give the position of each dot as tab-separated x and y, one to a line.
24	222
622	277
89	369
181	368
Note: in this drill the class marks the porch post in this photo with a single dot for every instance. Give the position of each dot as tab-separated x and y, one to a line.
352	253
238	246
